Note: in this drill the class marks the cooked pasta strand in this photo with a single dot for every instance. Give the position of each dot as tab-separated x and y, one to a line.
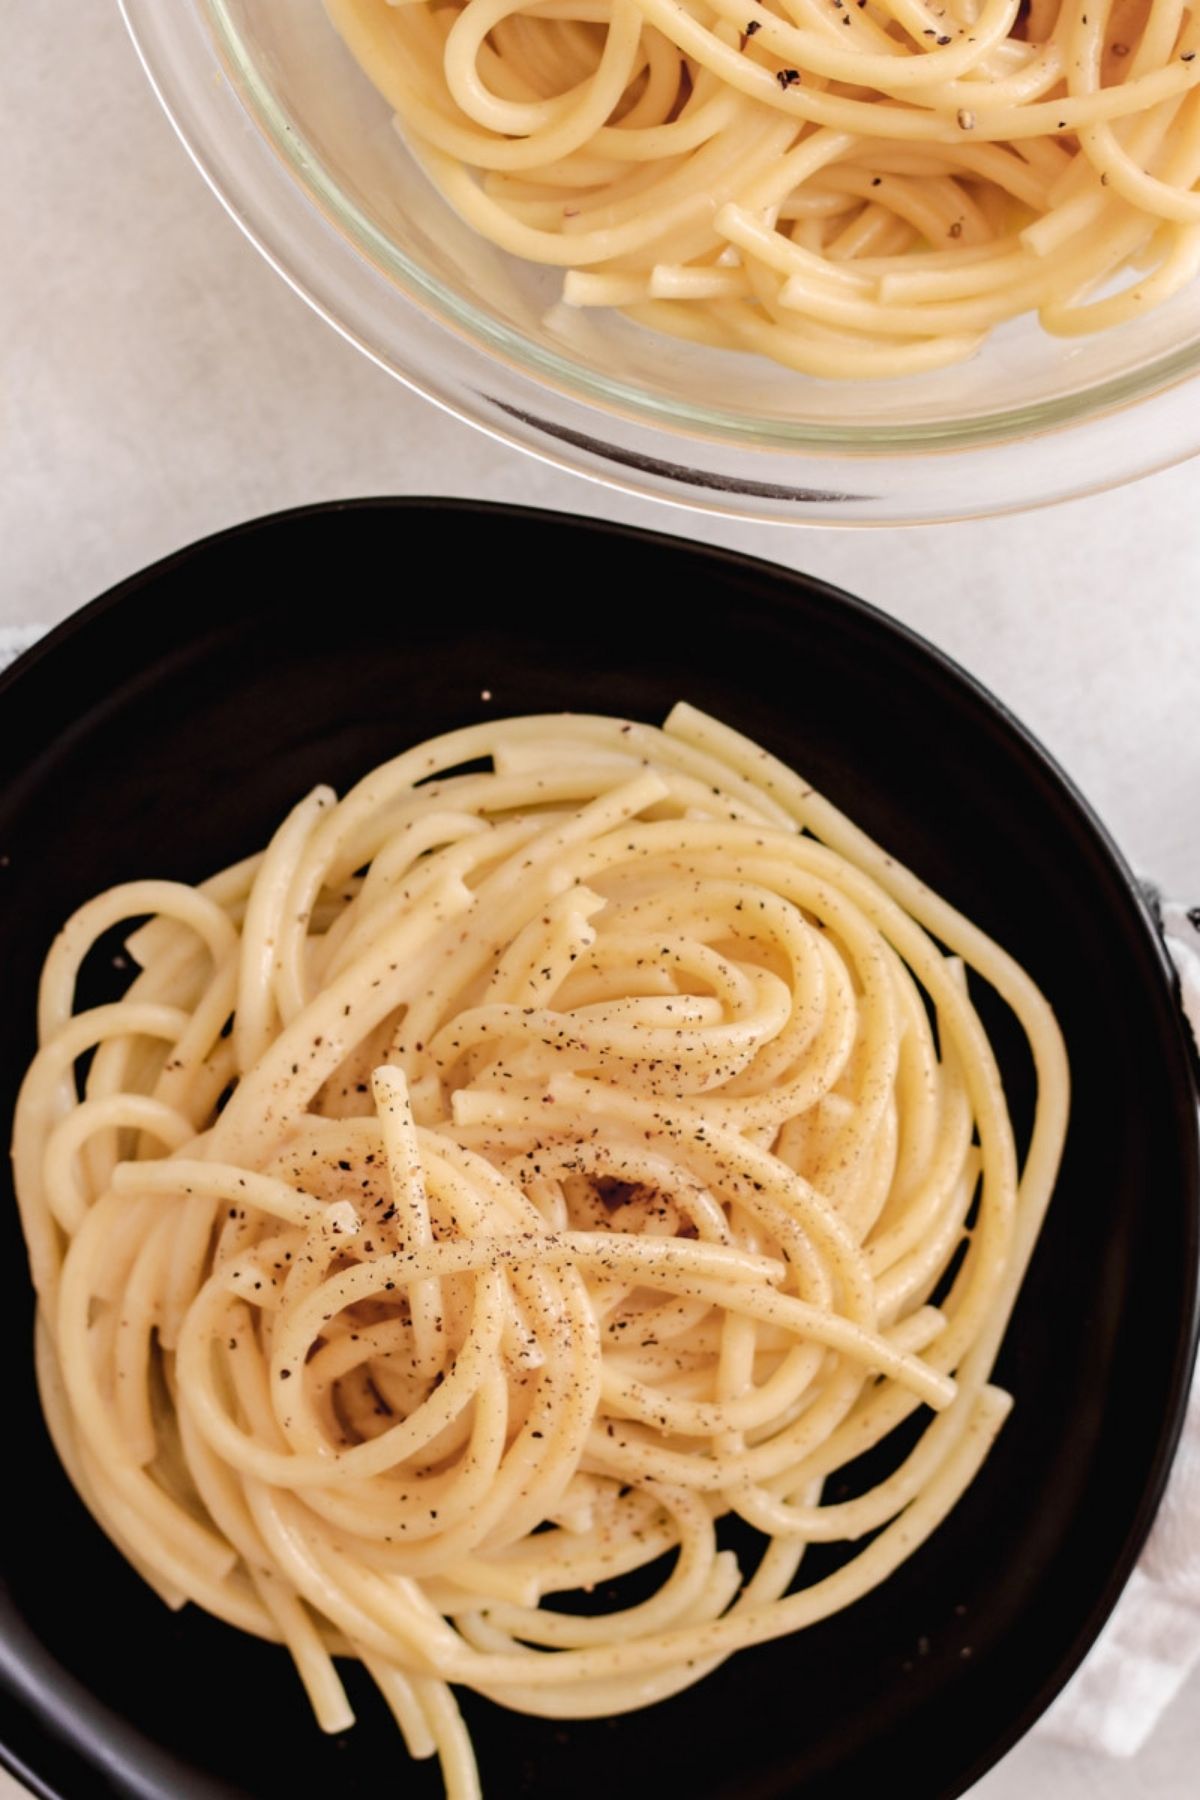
601	1135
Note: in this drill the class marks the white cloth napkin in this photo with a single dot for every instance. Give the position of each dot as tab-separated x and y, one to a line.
1151	1643
15	639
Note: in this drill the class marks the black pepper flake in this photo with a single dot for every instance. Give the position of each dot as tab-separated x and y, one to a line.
1188	56
943	39
787	77
751	26
956	229
285	1374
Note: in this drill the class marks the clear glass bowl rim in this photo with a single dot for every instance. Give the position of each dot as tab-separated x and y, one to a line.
806	472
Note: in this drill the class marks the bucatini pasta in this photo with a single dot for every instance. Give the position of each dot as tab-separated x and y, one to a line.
501	1178
855	188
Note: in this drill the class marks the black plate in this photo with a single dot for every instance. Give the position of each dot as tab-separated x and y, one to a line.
165	730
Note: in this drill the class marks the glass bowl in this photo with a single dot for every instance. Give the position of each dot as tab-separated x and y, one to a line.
300	148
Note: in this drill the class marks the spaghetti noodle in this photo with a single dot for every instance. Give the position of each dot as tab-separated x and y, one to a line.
576	1134
854	188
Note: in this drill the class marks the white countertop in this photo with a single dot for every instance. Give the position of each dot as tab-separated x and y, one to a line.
160	382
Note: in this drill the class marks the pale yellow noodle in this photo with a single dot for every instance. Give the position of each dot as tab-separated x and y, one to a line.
510	1173
671	159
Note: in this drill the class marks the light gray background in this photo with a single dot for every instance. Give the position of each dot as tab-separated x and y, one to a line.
160	382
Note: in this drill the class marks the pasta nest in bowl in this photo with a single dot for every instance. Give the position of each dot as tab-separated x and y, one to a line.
853	188
577	1134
